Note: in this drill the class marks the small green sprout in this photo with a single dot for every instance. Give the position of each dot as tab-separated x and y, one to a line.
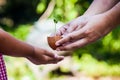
55	21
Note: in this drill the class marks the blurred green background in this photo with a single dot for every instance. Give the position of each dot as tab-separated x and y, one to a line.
100	59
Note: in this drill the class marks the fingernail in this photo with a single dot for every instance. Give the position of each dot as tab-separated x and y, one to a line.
58	49
57	44
56	56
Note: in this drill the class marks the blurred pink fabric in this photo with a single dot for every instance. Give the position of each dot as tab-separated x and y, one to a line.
3	74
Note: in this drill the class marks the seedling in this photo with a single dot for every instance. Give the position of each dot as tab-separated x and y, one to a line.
52	40
55	21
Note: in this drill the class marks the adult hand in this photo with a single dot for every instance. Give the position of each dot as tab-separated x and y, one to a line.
79	33
42	56
72	26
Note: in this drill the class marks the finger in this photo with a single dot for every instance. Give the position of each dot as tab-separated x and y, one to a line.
53	60
71	37
80	26
77	24
50	54
62	30
53	55
75	45
72	27
59	58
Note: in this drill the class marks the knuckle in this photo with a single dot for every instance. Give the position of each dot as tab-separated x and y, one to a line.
72	24
90	40
71	37
82	23
65	26
89	34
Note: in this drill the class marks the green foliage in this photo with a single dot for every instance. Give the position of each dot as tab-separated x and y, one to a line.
19	11
21	32
25	11
106	49
68	10
99	58
40	8
94	67
18	69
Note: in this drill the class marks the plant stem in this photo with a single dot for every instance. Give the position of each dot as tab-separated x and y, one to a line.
55	29
55	21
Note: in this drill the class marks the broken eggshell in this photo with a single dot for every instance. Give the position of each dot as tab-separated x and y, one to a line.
52	40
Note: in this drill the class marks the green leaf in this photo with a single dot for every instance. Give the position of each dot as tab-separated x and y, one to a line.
55	21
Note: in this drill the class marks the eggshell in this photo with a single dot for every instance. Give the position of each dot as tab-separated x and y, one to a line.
52	40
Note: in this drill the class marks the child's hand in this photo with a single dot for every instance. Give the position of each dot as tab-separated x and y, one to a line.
42	56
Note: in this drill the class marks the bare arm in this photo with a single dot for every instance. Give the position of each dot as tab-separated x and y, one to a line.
13	47
114	14
100	6
97	7
95	28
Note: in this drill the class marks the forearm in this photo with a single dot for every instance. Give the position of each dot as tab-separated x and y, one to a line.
114	14
13	47
100	6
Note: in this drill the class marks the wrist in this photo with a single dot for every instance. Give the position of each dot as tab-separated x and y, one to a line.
100	6
114	14
31	54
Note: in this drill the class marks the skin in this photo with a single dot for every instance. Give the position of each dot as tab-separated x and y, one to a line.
100	6
89	28
97	7
13	47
